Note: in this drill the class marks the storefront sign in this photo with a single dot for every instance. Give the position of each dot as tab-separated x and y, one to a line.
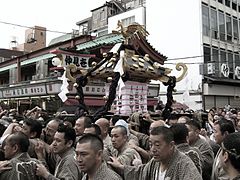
237	72
64	58
77	60
225	70
52	88
89	90
24	91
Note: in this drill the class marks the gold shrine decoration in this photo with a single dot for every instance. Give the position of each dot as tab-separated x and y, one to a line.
179	67
71	68
131	30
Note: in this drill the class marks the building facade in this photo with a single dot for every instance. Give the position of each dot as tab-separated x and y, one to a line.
204	34
32	78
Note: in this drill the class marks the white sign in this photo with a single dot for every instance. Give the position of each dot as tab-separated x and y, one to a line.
210	68
77	60
237	72
225	70
24	91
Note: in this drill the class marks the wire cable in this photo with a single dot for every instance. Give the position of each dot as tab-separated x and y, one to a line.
23	26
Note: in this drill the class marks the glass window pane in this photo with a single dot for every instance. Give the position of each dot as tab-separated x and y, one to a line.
230	64
236	59
221	26
235	28
230	61
215	55
234	4
227	3
205	20
223	57
222	60
214	23
229	28
215	58
207	54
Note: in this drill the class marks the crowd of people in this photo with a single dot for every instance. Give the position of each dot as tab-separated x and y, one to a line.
36	146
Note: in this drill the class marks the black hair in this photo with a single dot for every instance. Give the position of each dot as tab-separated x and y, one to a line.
115	118
96	141
35	126
162	130
231	144
96	128
69	133
173	116
225	125
87	121
194	124
180	132
71	119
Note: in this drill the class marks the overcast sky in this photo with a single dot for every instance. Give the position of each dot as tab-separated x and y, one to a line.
52	14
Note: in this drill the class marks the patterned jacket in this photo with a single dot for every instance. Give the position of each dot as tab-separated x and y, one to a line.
103	172
180	168
23	168
217	171
67	168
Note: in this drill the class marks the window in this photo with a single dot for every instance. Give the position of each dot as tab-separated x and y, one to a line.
215	55
221	1
227	3
207	54
238	5
229	27
214	26
223	58
236	59
230	64
128	21
205	20
215	58
234	4
83	29
235	28
221	25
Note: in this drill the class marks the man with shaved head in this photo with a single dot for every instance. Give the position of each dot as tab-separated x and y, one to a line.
125	154
104	125
89	155
143	148
143	138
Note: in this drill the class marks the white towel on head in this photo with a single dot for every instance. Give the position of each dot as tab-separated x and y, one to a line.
123	123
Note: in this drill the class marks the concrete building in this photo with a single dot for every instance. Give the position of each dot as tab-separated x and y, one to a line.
104	18
35	39
34	80
204	34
